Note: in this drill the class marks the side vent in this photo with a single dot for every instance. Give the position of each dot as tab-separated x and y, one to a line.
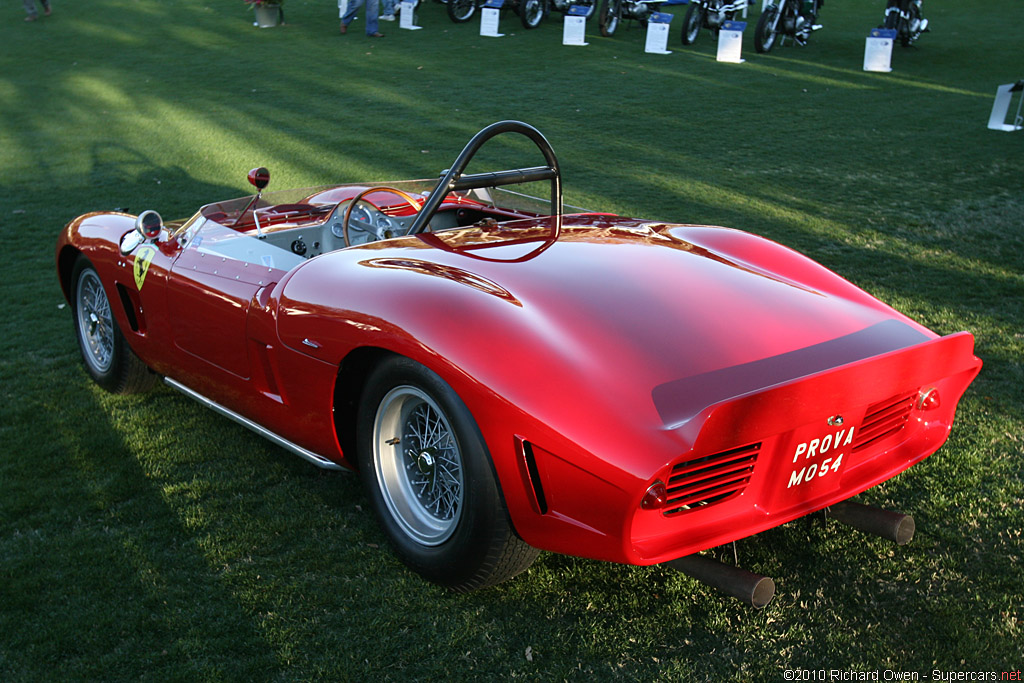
700	482
529	460
129	307
884	419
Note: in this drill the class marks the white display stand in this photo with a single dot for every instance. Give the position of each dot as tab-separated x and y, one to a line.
1004	93
657	33
730	42
878	50
407	18
489	17
574	30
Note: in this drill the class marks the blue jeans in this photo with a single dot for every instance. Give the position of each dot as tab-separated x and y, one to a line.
372	12
30	7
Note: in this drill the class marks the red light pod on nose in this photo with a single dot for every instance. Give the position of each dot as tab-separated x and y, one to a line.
655	497
259	177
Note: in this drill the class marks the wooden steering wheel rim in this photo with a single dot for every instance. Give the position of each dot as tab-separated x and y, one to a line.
410	200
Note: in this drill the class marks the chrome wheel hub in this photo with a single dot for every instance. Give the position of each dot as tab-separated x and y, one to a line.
95	322
418	465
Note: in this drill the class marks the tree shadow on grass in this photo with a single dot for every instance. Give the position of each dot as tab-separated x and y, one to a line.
101	578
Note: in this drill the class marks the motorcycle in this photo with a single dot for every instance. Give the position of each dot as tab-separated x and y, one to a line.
905	17
709	14
613	11
531	12
794	19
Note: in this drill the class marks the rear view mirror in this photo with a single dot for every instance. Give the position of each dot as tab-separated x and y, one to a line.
259	177
147	227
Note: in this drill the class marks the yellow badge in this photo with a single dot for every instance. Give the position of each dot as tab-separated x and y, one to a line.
142	260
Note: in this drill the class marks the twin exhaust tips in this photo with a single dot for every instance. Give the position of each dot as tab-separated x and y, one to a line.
756	590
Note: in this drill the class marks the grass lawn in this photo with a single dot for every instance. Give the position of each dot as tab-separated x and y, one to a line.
147	538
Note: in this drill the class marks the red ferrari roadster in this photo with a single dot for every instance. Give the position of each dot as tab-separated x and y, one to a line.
507	376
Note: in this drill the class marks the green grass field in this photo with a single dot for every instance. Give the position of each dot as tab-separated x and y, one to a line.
147	538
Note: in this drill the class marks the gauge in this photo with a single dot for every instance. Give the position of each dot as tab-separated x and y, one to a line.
383	222
360	214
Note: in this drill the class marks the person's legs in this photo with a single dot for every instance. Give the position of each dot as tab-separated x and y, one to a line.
372	12
353	8
30	10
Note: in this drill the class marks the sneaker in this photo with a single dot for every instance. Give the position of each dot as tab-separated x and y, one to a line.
387	17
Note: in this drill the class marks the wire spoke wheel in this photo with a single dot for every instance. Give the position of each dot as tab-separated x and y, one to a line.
95	322
419	465
431	481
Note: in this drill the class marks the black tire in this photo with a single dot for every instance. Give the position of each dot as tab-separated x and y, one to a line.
532	12
692	23
461	11
608	19
892	19
764	36
430	481
914	18
105	353
591	6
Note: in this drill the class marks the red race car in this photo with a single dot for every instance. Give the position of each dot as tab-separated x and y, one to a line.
507	376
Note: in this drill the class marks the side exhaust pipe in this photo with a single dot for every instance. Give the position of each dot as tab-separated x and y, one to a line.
894	526
748	587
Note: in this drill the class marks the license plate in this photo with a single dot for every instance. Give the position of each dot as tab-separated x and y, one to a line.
815	460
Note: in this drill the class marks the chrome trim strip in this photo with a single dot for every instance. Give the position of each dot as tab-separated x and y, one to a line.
318	460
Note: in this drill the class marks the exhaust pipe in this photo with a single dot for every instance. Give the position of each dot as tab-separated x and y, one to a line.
894	526
748	587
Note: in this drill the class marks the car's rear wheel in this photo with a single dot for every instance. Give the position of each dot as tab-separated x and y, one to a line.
461	11
430	481
107	357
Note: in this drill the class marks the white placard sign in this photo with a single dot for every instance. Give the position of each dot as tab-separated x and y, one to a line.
878	50
1001	105
407	20
574	30
730	42
489	19
657	33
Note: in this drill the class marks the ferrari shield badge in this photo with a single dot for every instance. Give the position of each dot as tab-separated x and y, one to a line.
142	260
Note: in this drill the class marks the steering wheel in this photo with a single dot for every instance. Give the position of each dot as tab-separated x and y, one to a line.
377	232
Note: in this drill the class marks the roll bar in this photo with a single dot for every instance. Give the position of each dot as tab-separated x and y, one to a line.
453	179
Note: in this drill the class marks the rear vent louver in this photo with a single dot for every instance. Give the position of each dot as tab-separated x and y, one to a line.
884	419
700	482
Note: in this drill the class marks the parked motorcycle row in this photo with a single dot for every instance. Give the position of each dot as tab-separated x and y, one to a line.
780	20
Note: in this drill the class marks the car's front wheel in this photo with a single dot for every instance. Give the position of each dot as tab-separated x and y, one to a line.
107	357
430	481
